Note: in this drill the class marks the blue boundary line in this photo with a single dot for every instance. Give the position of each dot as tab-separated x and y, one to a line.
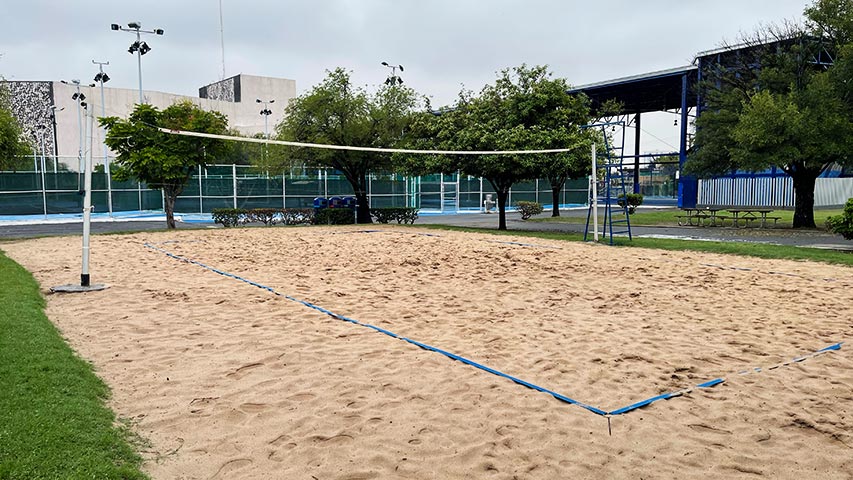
620	411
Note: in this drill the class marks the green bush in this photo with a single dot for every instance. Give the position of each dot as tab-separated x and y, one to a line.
334	216
842	224
634	201
528	209
297	216
404	215
230	217
267	216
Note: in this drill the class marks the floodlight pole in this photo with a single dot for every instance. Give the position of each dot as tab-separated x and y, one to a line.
139	67
104	133
266	112
136	27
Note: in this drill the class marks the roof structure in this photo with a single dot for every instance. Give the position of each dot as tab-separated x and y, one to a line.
648	92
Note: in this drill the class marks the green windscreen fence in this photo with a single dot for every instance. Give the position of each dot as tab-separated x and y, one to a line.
229	186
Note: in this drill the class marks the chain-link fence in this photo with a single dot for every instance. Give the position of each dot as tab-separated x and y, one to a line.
240	186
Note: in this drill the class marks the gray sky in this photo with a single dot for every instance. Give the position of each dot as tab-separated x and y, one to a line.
442	44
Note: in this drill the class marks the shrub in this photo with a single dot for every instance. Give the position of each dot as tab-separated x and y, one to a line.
528	209
297	216
267	216
634	201
230	217
404	215
842	224
334	216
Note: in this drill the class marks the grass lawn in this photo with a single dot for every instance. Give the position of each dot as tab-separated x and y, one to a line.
53	421
733	248
667	218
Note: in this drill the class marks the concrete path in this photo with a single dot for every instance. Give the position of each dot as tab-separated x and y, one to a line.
807	238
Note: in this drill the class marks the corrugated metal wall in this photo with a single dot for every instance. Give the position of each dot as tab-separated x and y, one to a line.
770	192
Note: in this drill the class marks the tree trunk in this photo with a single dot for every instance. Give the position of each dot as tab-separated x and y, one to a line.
358	181
169	207
555	200
362	212
804	183
503	195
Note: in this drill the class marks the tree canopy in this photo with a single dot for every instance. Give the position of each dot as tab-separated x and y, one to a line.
526	109
12	145
780	107
163	161
335	112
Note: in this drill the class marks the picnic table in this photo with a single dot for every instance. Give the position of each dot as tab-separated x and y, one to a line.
715	216
751	215
701	217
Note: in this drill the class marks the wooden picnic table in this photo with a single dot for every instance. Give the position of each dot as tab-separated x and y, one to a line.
701	217
751	215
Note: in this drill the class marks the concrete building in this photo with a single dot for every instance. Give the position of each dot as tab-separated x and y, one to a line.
57	128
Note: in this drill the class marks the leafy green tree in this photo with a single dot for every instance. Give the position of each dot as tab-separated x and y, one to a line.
163	161
334	112
250	153
525	109
12	145
788	113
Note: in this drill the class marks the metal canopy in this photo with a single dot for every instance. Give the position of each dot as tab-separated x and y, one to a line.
649	92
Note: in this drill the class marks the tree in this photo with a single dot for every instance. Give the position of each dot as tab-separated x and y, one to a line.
12	145
774	105
334	112
163	161
524	110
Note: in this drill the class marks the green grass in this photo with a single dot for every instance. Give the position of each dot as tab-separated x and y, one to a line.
651	218
759	250
53	422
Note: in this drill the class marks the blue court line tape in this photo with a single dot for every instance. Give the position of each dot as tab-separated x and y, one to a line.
718	381
770	272
621	411
424	346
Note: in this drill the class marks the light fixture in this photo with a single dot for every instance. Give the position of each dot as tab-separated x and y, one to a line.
393	79
138	47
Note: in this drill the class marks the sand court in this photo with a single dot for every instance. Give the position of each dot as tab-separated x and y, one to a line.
226	380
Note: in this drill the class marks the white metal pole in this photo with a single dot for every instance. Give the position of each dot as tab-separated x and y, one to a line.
80	128
594	193
87	217
43	186
104	138
139	64
234	177
200	193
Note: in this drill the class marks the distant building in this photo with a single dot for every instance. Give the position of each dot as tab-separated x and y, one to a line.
234	97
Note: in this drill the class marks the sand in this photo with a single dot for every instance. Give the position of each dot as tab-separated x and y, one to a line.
225	380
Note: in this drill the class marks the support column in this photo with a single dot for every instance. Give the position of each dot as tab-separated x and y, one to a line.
687	184
637	154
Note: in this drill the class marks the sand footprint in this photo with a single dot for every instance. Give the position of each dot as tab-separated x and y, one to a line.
244	370
230	467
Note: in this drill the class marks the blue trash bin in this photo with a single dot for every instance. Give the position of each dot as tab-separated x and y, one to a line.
320	203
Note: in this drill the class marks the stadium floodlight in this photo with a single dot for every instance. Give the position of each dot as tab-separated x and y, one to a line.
266	112
138	47
393	79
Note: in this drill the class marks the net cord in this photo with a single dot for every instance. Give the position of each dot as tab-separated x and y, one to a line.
362	149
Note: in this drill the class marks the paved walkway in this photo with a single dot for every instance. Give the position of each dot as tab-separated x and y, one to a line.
778	236
808	238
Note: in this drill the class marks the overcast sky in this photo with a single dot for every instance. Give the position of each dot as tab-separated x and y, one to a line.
442	44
